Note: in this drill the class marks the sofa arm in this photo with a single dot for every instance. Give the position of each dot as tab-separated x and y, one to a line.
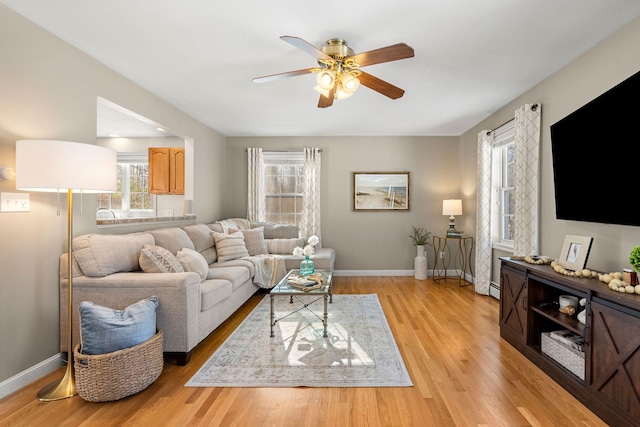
178	308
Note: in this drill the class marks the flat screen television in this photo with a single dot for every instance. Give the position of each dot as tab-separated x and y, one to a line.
596	158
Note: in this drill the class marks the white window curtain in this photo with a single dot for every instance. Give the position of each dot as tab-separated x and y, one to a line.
310	222
256	198
527	149
483	213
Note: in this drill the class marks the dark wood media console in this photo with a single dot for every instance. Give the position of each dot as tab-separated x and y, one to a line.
611	385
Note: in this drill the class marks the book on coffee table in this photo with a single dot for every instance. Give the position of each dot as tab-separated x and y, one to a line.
302	282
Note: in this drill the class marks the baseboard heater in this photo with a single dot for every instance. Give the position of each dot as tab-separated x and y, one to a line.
494	290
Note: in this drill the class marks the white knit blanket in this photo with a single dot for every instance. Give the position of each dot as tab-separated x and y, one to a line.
269	270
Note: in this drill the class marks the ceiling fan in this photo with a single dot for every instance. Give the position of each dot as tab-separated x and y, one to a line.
339	73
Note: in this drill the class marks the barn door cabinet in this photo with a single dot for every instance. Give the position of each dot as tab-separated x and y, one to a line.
610	383
166	170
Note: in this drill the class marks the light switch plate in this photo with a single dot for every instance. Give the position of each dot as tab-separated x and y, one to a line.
14	202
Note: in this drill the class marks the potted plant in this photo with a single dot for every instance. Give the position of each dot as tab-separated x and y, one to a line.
420	237
634	258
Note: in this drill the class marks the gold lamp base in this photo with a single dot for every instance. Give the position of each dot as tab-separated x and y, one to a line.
61	389
66	386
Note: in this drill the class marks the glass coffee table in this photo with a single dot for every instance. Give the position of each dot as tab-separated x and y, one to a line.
283	289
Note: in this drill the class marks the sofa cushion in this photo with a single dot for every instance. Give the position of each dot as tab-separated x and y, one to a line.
283	246
213	291
156	259
274	230
200	235
173	239
234	223
229	246
193	261
99	255
254	241
235	275
105	330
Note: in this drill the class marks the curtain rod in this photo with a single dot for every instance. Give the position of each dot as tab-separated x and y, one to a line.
534	107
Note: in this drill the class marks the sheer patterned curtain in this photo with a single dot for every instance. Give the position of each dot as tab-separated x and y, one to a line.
527	149
525	221
256	198
310	223
483	213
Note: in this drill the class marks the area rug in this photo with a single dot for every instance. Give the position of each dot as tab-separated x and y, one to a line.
359	351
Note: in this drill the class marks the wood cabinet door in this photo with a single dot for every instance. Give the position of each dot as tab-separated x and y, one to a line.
513	302
176	168
159	170
615	358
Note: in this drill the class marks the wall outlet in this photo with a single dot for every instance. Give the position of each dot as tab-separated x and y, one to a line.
441	254
168	212
14	202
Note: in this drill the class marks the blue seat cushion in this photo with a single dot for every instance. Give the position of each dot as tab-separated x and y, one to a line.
105	330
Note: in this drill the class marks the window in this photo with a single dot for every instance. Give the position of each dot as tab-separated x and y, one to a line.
284	177
132	198
503	184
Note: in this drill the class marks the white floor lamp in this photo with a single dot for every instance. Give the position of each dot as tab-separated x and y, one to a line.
54	166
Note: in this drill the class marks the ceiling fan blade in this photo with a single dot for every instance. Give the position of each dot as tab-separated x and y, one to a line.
324	101
306	47
384	54
387	89
278	76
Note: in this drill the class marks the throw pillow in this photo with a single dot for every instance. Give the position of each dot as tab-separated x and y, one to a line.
283	246
254	241
105	330
193	261
229	246
155	259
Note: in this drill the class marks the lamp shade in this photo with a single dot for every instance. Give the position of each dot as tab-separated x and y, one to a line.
452	207
49	165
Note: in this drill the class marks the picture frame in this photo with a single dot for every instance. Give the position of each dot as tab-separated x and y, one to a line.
575	252
380	191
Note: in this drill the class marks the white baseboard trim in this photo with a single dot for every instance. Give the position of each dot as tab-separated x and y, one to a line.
450	273
30	375
373	272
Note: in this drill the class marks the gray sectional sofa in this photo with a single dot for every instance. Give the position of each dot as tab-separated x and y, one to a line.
199	273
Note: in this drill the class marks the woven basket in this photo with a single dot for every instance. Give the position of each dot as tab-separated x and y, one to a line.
112	376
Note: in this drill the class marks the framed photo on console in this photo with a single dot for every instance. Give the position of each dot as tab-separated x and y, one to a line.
575	252
380	191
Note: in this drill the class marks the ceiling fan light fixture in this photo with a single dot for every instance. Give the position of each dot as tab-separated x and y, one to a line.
341	93
349	83
323	92
326	79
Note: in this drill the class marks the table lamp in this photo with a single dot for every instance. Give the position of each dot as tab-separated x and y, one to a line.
54	166
452	207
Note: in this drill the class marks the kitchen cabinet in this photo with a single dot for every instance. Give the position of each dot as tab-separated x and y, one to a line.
166	170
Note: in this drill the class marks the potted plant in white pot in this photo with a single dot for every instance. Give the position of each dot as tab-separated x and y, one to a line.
420	237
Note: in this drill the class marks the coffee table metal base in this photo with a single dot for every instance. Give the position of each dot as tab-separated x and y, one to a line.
306	305
283	289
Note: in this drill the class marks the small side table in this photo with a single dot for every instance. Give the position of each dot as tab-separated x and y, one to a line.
462	257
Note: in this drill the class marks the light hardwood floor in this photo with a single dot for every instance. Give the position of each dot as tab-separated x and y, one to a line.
463	375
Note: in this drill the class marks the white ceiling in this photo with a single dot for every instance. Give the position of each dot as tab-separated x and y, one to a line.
471	57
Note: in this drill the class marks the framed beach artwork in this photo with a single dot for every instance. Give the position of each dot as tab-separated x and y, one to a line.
380	191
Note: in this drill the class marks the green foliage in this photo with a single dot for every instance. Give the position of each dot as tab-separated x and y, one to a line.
420	236
634	258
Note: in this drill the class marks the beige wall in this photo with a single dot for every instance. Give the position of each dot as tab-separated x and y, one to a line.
49	91
376	241
601	68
